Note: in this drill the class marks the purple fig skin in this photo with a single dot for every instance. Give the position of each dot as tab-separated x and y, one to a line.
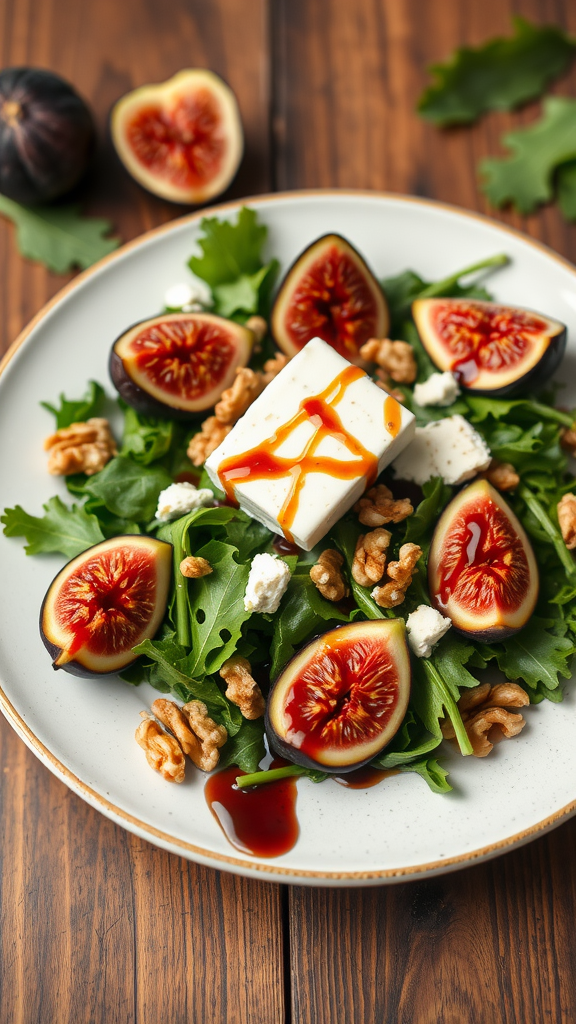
535	379
47	135
139	399
291	753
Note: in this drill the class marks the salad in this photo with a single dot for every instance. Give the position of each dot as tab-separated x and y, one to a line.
238	607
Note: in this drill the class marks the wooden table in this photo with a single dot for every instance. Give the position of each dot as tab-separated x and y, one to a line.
98	926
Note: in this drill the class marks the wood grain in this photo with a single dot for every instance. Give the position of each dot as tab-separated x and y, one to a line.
97	926
493	943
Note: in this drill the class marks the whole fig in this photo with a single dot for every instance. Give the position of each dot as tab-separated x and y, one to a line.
46	135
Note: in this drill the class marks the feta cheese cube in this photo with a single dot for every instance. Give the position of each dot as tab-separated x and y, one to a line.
439	389
178	499
324	496
425	627
449	448
269	576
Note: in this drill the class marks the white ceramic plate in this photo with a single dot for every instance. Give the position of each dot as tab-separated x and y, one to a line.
84	731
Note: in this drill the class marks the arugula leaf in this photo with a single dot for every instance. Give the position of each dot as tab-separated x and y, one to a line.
434	696
429	770
217	610
410	743
128	489
229	250
58	236
68	530
526	178
71	411
535	656
246	748
303	613
248	294
425	516
145	438
175	669
500	75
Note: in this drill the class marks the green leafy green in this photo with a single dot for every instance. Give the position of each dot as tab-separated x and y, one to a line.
128	489
420	524
526	178
535	656
411	743
79	411
58	236
246	748
499	75
145	438
217	610
303	613
249	293
432	773
63	529
566	189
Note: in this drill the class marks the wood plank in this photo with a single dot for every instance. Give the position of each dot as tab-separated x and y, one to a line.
97	925
493	943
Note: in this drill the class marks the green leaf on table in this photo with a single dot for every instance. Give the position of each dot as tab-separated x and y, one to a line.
499	75
526	177
59	236
71	411
566	189
128	489
229	251
63	529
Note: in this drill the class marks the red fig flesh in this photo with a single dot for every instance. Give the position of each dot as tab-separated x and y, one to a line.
182	139
104	602
481	569
343	697
178	364
330	293
491	349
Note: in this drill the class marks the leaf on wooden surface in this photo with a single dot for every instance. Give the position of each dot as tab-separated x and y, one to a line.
499	75
59	236
526	178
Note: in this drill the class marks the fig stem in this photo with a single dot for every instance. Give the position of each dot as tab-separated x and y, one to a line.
443	693
539	513
440	287
258	778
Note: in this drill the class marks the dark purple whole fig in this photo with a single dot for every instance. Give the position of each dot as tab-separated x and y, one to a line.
46	135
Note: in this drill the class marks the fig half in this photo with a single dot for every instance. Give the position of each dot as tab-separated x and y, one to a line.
330	293
181	139
178	364
491	349
481	568
340	701
104	602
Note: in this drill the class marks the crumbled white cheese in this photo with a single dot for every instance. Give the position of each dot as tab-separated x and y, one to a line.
449	448
178	499
190	298
364	411
425	627
439	389
269	576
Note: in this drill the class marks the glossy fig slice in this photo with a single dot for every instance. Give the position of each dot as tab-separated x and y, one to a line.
178	364
104	602
339	701
491	349
330	292
481	568
181	139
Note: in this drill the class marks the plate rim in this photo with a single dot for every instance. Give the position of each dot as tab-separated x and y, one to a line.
145	829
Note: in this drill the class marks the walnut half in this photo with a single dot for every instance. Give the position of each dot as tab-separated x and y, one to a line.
80	448
484	707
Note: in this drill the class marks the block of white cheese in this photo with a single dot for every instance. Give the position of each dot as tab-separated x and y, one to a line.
308	446
449	448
